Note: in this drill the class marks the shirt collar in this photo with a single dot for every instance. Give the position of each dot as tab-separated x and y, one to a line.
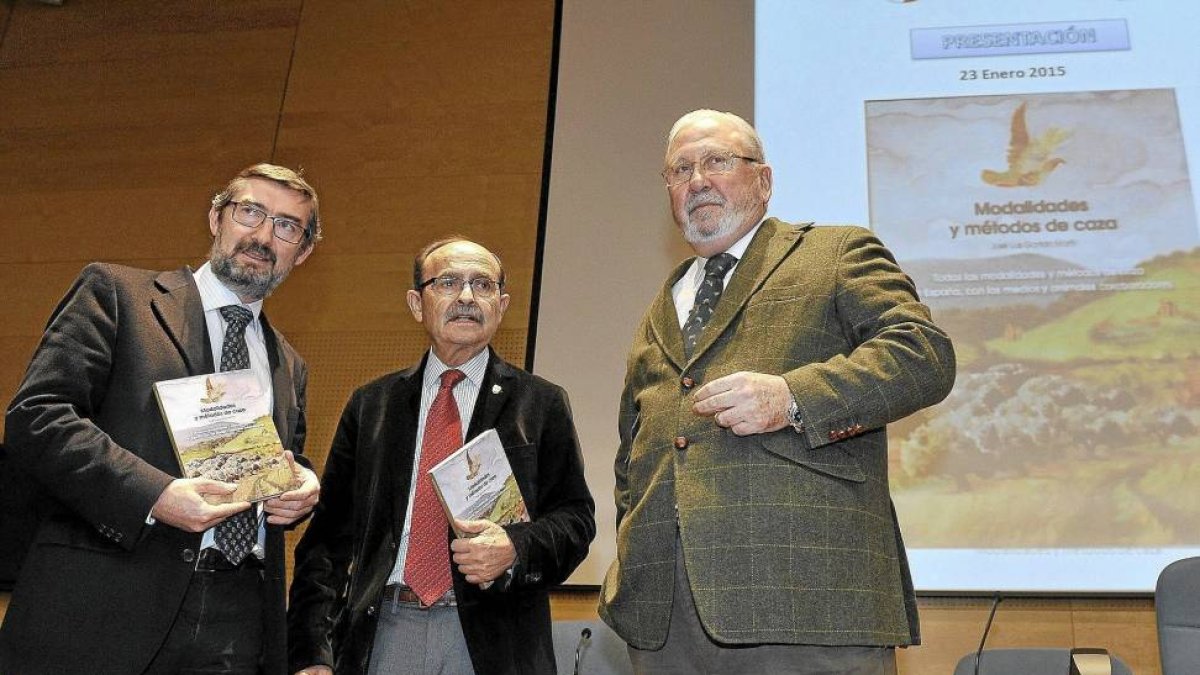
215	295
473	369
737	249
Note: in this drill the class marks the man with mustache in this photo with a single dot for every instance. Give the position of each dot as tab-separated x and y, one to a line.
755	530
379	585
132	570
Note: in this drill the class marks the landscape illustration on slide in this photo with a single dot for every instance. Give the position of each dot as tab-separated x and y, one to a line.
1054	236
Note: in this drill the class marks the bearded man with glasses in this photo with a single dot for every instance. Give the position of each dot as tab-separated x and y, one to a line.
380	587
755	530
127	574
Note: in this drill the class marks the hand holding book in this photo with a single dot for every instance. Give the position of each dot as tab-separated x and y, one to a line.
479	492
483	552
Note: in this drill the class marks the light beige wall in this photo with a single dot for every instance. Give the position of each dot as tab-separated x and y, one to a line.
119	118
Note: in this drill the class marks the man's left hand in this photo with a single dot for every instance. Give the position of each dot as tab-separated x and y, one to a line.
294	504
745	403
486	555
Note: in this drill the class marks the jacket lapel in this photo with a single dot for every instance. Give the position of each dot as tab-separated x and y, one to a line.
664	319
494	391
398	451
181	314
771	244
282	386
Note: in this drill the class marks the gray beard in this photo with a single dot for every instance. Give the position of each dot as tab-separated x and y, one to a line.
241	279
729	222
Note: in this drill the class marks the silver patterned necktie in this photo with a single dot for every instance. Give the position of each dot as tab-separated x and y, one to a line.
706	299
235	536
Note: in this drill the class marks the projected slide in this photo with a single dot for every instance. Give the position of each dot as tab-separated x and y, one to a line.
1028	164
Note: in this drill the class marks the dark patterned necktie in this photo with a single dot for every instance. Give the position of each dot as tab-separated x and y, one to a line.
427	565
235	536
706	299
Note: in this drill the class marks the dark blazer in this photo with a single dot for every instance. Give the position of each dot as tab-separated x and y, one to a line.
100	588
788	537
346	555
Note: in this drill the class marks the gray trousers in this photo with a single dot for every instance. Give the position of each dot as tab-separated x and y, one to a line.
689	649
409	639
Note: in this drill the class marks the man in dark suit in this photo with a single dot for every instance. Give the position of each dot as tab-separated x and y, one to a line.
379	586
124	575
755	528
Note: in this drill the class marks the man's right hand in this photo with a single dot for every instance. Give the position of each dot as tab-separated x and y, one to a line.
315	670
182	504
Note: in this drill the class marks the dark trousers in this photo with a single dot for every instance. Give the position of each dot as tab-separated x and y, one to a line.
219	626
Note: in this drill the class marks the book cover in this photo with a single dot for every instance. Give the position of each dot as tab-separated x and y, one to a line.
221	427
477	482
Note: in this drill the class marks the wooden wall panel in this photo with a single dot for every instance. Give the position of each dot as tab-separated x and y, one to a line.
120	120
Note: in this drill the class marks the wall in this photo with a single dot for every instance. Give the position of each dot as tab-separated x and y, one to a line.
119	118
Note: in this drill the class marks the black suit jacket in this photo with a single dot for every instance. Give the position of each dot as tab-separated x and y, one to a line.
100	588
346	555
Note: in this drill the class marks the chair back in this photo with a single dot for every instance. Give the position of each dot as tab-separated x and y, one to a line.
1027	662
1177	610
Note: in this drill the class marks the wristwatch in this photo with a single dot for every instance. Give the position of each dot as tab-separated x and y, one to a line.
793	415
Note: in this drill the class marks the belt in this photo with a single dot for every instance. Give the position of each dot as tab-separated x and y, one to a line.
403	595
213	560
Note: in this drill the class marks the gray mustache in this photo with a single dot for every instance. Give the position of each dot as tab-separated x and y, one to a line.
465	312
257	249
699	199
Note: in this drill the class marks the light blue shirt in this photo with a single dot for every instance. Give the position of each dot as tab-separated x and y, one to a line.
466	392
213	296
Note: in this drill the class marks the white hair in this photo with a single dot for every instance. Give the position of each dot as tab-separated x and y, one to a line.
754	146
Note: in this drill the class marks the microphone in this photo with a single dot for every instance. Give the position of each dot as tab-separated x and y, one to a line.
986	630
584	636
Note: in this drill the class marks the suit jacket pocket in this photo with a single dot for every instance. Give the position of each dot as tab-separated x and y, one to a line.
61	530
830	460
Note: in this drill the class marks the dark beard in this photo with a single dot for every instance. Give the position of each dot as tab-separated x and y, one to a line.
241	279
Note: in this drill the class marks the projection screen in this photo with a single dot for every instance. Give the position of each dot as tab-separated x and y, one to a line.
1027	164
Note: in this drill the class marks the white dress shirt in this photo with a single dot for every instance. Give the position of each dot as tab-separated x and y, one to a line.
684	290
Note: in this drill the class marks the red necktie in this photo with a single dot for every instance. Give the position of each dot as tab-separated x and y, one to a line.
427	566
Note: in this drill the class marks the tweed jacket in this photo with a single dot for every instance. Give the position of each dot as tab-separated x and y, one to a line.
788	537
100	588
346	555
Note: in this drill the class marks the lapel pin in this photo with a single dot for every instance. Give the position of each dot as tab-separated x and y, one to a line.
496	389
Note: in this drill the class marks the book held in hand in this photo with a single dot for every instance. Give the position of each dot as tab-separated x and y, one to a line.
477	482
221	427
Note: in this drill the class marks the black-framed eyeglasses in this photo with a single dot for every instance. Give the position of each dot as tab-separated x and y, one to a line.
709	165
248	214
481	287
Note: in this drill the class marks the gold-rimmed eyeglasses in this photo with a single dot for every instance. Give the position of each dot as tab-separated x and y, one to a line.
715	164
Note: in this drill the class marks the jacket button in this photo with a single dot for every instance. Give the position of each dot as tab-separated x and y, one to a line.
687	383
371	610
681	442
187	555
